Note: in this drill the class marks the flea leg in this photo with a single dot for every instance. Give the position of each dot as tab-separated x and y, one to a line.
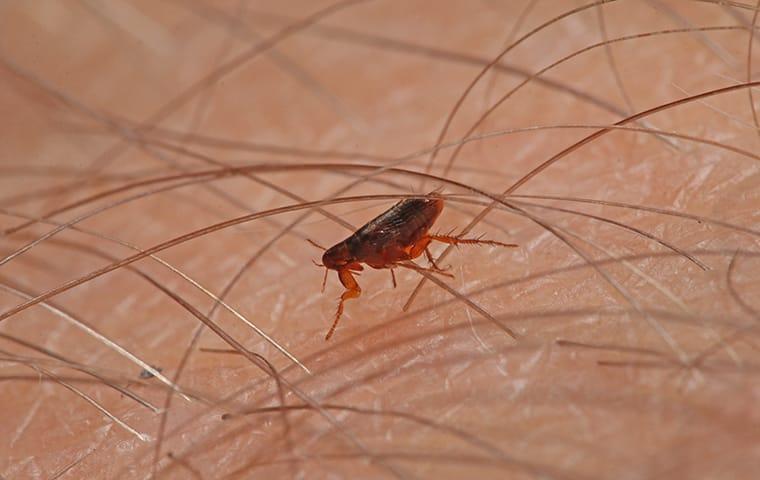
393	277
352	291
432	260
422	246
454	240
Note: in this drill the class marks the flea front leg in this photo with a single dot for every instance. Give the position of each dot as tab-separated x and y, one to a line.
352	291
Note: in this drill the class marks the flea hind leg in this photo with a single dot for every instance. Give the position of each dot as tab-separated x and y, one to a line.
352	291
458	240
422	246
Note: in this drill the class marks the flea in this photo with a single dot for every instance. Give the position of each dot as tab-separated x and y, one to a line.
392	239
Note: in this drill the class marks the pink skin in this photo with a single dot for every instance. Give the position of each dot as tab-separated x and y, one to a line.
499	408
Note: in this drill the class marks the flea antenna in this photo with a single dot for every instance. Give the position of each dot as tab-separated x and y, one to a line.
315	244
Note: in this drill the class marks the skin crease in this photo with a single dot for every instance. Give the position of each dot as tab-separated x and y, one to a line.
439	391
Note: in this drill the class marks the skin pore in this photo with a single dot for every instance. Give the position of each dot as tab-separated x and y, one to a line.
162	168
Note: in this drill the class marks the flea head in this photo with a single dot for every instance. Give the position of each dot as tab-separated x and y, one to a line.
337	256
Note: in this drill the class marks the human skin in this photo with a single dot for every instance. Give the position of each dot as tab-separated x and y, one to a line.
632	361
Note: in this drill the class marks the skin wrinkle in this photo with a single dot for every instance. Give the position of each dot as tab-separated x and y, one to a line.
588	392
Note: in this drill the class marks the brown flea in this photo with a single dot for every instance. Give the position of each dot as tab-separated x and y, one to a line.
390	240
